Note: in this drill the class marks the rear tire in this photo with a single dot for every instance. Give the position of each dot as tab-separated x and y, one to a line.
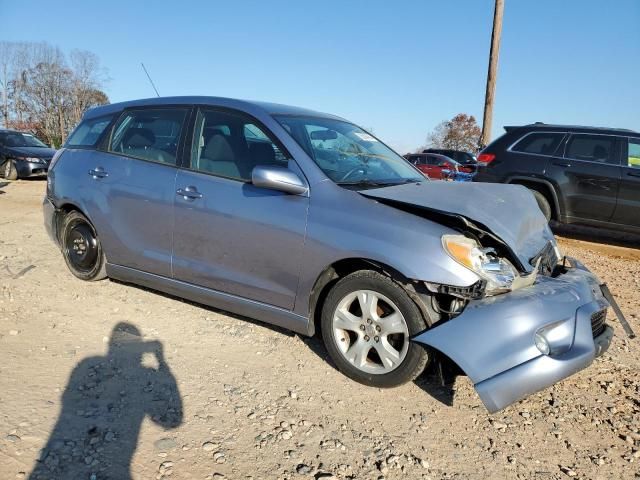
9	170
543	203
367	322
81	248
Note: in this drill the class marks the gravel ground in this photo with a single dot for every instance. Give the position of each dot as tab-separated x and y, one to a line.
109	381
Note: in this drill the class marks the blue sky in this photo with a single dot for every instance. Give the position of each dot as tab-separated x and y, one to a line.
397	67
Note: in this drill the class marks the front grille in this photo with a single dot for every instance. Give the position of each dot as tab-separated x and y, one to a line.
598	322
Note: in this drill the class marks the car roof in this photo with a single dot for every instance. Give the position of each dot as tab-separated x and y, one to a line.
574	128
244	105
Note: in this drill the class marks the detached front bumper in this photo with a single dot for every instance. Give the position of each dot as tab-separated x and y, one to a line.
493	339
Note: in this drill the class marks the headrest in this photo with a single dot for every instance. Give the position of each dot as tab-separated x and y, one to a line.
219	149
138	138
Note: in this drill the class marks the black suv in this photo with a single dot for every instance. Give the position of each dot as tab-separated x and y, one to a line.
23	155
578	174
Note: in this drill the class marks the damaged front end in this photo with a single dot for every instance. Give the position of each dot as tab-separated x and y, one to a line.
531	319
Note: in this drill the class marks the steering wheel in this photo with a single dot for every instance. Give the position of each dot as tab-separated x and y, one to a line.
351	172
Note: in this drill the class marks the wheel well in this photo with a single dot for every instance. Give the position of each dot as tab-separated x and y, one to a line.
61	212
344	267
544	190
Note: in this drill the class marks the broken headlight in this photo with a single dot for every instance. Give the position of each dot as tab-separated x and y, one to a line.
498	272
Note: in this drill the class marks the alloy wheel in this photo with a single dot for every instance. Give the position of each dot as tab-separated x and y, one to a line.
371	332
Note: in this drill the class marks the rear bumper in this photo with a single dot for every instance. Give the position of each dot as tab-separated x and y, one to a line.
31	169
493	340
49	214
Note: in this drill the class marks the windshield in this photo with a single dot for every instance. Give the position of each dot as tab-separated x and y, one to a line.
17	139
347	154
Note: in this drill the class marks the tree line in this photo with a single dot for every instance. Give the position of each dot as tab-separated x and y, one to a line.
46	92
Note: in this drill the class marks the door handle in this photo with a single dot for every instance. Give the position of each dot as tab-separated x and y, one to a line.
98	172
189	193
561	164
634	174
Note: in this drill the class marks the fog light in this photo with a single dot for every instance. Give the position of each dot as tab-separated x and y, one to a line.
542	344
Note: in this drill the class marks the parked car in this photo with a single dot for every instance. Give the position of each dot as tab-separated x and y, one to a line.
581	175
467	159
437	166
304	220
23	155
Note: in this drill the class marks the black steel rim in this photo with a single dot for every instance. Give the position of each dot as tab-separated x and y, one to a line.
82	247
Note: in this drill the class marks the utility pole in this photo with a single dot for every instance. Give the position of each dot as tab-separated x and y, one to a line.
492	73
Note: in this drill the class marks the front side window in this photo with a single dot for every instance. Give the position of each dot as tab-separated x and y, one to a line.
149	134
88	132
593	148
633	156
347	154
19	139
541	143
231	145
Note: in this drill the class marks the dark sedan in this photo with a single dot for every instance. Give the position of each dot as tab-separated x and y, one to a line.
22	155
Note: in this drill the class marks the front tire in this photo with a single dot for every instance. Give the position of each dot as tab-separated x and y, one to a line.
9	170
367	323
81	248
543	203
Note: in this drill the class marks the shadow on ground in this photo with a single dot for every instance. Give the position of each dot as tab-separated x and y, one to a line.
103	406
431	381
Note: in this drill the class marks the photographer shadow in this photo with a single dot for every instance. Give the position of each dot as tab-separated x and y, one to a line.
103	406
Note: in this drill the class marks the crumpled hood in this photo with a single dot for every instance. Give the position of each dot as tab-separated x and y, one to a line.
510	212
38	152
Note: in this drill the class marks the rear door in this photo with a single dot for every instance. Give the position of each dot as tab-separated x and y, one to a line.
530	154
130	187
230	235
588	175
628	206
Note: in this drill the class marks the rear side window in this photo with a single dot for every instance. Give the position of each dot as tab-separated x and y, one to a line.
593	148
149	134
541	143
89	132
633	156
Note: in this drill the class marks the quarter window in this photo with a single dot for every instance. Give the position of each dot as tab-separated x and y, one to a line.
633	157
541	143
231	145
149	134
88	132
593	148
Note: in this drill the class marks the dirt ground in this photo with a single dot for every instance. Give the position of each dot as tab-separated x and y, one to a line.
183	391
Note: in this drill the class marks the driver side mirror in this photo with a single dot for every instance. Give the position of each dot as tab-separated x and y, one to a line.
277	178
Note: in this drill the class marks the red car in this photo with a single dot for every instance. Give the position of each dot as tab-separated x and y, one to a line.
437	166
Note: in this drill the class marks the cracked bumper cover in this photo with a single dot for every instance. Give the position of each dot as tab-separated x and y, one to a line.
492	340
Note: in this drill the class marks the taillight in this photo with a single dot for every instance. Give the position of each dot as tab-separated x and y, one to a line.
486	158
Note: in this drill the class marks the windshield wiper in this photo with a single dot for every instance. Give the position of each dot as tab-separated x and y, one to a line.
375	184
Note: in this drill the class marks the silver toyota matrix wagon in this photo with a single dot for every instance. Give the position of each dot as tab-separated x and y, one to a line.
306	221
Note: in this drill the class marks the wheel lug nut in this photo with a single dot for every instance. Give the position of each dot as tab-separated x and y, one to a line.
361	327
366	337
376	338
378	328
369	321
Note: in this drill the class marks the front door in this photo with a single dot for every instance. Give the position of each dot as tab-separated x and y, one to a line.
131	188
628	207
229	235
588	175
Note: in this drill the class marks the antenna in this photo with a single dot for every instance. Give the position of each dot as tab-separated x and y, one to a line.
149	77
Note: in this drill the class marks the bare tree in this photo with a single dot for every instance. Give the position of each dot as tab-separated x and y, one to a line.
460	133
44	94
